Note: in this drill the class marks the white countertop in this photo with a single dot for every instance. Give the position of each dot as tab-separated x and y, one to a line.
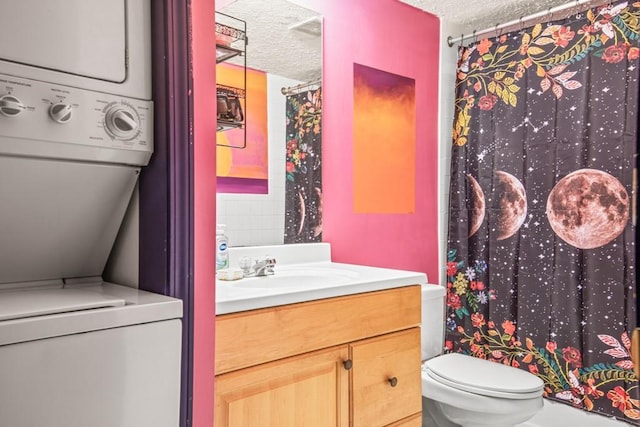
304	281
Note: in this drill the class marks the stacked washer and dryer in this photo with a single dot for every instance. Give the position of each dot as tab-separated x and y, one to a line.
76	122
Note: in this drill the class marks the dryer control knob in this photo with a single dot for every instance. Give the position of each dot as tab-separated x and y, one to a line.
122	122
60	112
11	106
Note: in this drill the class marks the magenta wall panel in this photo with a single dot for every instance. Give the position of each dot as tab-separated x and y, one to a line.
399	39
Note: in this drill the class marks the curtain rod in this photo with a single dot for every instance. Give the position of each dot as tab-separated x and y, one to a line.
526	19
291	90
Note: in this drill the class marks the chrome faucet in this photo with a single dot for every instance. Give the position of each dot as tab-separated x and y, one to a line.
261	267
264	266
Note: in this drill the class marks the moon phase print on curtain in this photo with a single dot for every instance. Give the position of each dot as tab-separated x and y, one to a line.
303	188
541	247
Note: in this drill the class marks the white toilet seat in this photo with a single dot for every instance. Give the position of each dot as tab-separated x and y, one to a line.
435	390
481	377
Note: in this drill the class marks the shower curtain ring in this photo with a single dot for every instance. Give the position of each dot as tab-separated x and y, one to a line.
474	38
577	12
462	40
521	22
550	16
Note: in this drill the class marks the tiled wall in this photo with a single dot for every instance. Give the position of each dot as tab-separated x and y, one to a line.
258	219
448	59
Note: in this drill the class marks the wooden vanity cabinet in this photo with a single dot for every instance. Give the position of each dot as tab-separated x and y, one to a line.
344	361
386	384
308	390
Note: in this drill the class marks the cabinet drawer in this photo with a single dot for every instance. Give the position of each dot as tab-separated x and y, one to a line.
309	390
386	384
258	336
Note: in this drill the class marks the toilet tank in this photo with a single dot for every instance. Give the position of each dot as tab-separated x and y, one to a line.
432	328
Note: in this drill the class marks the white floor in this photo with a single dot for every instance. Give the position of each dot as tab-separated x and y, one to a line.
558	415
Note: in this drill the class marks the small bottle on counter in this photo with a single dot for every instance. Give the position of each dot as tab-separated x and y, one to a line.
222	248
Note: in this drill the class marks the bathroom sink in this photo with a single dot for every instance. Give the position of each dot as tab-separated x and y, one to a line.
303	272
288	277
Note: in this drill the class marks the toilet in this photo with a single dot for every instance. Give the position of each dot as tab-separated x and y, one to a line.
464	391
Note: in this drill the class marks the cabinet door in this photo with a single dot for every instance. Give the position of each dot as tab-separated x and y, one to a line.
386	384
311	390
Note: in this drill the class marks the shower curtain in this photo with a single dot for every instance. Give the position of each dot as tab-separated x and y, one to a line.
541	247
303	188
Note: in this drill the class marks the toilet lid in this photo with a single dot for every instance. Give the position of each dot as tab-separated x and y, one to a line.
480	376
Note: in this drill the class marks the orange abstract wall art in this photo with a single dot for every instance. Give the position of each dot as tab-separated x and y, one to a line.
244	170
384	142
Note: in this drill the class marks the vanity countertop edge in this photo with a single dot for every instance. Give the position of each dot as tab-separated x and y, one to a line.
237	296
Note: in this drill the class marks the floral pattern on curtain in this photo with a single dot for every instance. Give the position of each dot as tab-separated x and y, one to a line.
540	270
303	189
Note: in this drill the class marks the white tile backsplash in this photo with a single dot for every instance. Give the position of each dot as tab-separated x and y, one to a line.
258	219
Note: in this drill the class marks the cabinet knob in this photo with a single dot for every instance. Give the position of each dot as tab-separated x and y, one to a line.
393	381
348	364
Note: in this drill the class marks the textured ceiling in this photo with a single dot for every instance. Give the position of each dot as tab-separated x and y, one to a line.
277	49
481	14
273	47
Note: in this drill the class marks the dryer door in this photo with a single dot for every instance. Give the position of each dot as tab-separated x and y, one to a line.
59	219
81	37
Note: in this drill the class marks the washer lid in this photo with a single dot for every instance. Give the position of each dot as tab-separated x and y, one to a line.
21	304
482	377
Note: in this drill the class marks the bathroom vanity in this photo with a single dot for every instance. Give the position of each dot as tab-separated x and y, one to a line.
342	353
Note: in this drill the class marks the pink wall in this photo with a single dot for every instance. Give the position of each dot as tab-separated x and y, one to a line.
204	128
393	37
384	34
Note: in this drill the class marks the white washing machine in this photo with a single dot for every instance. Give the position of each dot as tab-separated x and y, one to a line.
74	351
76	125
84	354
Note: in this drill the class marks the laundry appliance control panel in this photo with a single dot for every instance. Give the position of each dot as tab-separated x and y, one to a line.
53	121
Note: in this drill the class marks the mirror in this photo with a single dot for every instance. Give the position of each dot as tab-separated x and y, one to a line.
283	52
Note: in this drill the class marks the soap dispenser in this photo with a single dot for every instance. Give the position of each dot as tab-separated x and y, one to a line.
222	248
